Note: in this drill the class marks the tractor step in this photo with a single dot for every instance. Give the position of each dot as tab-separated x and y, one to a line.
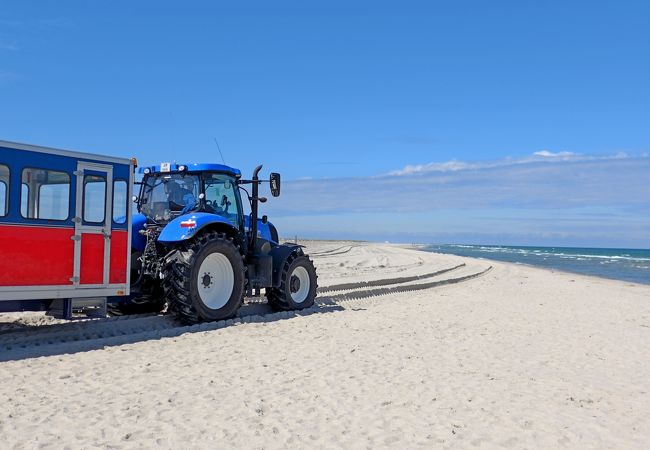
72	308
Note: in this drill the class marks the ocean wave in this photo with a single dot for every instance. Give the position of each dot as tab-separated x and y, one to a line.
625	264
563	255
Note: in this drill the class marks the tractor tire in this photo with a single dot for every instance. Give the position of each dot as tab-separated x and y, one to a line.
204	279
297	285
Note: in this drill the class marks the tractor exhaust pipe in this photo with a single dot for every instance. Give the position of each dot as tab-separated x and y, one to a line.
254	204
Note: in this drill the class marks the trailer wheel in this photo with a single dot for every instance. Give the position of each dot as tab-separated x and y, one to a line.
204	279
297	285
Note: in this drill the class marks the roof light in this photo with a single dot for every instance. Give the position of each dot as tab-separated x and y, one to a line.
134	162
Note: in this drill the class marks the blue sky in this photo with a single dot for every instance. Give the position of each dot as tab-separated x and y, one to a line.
521	116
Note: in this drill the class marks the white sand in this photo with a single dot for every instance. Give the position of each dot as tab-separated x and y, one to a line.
519	357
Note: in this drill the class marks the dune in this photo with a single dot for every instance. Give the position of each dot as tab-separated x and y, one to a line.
404	349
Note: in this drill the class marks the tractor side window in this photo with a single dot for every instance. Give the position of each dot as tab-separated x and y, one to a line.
94	198
45	194
119	201
220	191
4	187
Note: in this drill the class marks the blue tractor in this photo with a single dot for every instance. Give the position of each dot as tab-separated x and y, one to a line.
195	252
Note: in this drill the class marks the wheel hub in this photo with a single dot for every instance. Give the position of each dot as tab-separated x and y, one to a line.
294	284
207	280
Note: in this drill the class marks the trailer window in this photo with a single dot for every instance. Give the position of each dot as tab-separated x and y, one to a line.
119	201
94	198
45	194
4	195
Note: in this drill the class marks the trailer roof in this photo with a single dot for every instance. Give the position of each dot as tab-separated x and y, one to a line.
61	152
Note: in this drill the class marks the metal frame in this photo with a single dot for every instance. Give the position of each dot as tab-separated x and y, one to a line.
58	151
80	229
76	290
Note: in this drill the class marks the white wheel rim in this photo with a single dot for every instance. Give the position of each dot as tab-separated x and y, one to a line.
216	280
303	291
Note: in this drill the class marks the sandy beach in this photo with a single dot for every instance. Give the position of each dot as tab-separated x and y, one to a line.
404	349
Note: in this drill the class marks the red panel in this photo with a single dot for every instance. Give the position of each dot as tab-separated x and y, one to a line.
92	259
119	256
35	256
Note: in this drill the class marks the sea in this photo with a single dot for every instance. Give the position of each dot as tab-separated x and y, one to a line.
618	264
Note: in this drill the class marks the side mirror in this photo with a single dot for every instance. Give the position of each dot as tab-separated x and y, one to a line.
275	184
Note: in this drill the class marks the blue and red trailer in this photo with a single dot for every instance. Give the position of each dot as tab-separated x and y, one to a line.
65	227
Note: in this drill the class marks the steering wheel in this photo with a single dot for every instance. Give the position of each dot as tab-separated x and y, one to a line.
213	206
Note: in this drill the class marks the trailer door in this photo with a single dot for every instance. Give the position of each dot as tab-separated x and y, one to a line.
92	247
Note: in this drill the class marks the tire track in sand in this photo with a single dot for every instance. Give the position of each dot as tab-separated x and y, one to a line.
72	337
385	281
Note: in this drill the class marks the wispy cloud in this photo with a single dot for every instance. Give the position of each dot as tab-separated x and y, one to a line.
36	23
540	156
6	76
580	197
8	46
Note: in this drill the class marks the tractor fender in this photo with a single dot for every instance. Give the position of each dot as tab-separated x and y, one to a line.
138	241
280	253
189	225
264	230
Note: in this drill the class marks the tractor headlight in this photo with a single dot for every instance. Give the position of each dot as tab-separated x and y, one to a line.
182	168
147	171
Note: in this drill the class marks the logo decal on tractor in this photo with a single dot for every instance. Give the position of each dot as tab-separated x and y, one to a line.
191	223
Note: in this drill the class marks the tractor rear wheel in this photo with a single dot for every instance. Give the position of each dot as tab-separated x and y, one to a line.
204	279
297	285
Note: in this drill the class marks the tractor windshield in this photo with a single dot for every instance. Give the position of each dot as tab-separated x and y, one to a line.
165	196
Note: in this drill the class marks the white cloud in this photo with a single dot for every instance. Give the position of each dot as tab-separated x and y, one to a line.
449	166
548	154
535	182
511	200
540	156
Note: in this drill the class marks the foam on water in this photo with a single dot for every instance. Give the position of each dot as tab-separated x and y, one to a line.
620	264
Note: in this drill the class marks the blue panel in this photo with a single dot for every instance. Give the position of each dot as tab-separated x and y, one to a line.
263	229
17	160
138	241
195	168
174	232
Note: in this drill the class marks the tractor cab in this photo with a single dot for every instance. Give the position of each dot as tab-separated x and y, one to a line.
169	191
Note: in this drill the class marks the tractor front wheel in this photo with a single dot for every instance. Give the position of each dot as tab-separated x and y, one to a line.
204	279
297	285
